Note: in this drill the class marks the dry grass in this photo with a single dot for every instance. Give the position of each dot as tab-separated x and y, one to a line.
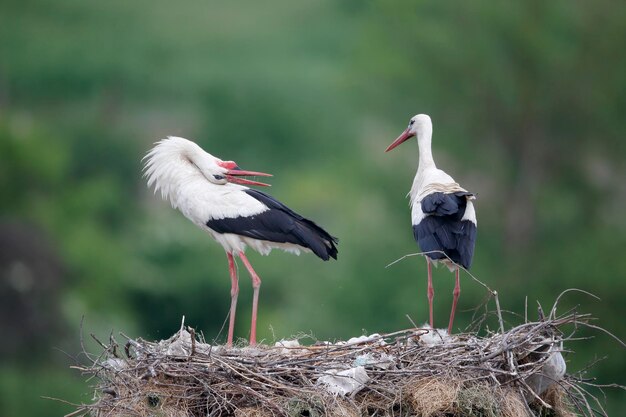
433	396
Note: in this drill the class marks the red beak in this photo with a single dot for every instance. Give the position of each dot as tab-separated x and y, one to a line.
232	175
404	136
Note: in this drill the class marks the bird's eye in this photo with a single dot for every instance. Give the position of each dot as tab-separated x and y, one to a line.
411	122
218	177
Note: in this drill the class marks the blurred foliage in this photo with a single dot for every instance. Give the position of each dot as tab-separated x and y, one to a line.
528	106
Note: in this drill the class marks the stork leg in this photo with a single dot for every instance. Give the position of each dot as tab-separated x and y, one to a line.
431	291
455	294
256	284
234	292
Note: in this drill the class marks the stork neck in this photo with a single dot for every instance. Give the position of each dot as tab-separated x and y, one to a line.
425	153
194	154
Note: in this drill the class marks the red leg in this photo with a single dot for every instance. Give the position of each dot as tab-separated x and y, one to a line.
234	292
431	291
256	284
455	294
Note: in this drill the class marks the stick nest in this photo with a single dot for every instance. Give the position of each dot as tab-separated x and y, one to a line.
414	372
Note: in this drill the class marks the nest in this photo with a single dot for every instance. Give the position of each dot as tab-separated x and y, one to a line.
413	372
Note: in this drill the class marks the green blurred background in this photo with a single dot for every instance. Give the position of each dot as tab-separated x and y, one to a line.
529	109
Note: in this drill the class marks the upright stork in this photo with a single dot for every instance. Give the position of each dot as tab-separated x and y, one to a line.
442	213
213	195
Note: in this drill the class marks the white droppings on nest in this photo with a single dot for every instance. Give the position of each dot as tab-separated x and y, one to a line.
381	361
352	380
116	364
182	344
374	338
288	346
364	339
288	343
435	336
348	381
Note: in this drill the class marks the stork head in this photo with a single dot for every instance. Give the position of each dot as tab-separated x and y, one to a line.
228	171
174	159
419	125
216	170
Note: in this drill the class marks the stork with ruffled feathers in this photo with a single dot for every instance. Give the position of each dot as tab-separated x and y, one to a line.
212	193
442	213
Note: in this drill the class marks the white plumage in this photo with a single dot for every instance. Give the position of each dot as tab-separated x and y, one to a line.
213	195
442	212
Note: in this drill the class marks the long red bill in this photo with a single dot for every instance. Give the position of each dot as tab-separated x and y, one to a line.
232	175
404	136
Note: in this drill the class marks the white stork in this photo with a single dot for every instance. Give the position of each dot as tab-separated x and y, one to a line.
442	213
207	191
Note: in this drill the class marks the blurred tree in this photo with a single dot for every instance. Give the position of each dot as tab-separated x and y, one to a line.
30	289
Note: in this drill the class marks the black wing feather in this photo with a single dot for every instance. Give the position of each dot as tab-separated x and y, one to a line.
442	204
442	230
279	224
